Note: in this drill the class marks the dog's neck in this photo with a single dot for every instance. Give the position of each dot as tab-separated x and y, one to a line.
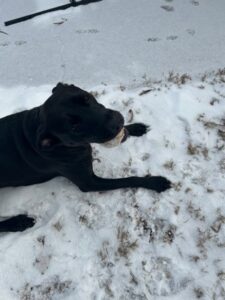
31	121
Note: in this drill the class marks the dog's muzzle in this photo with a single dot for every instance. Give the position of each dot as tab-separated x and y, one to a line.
118	139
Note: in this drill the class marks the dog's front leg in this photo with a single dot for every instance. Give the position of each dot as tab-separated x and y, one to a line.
137	129
87	181
16	223
95	183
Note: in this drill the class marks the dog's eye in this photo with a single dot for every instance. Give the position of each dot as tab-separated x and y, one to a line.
74	127
83	101
74	121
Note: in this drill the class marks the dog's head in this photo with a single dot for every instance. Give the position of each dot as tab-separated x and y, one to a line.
72	116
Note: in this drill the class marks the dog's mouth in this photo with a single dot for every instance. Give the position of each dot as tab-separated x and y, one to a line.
118	139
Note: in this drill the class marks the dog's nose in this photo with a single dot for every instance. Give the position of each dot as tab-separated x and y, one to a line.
115	121
115	128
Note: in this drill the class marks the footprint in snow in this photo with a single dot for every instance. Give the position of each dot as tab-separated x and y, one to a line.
164	277
167	8
172	37
191	31
4	44
153	39
20	43
195	3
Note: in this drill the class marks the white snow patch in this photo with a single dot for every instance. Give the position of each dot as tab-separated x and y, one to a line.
127	244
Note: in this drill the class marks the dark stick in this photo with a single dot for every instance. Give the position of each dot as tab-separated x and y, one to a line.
62	7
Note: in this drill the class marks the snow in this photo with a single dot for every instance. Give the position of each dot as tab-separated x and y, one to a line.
128	244
132	243
111	41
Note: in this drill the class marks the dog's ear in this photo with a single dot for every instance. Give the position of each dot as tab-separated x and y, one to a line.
58	87
65	87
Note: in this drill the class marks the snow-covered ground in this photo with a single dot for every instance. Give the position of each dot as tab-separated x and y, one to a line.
125	244
112	40
128	244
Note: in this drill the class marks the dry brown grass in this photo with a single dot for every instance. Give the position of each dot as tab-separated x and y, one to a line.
178	79
125	244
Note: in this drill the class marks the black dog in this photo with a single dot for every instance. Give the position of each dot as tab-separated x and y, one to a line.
54	140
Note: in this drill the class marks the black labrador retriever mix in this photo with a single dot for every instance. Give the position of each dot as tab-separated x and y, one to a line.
54	140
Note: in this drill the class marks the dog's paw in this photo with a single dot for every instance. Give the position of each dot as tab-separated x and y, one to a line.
19	223
137	129
157	183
